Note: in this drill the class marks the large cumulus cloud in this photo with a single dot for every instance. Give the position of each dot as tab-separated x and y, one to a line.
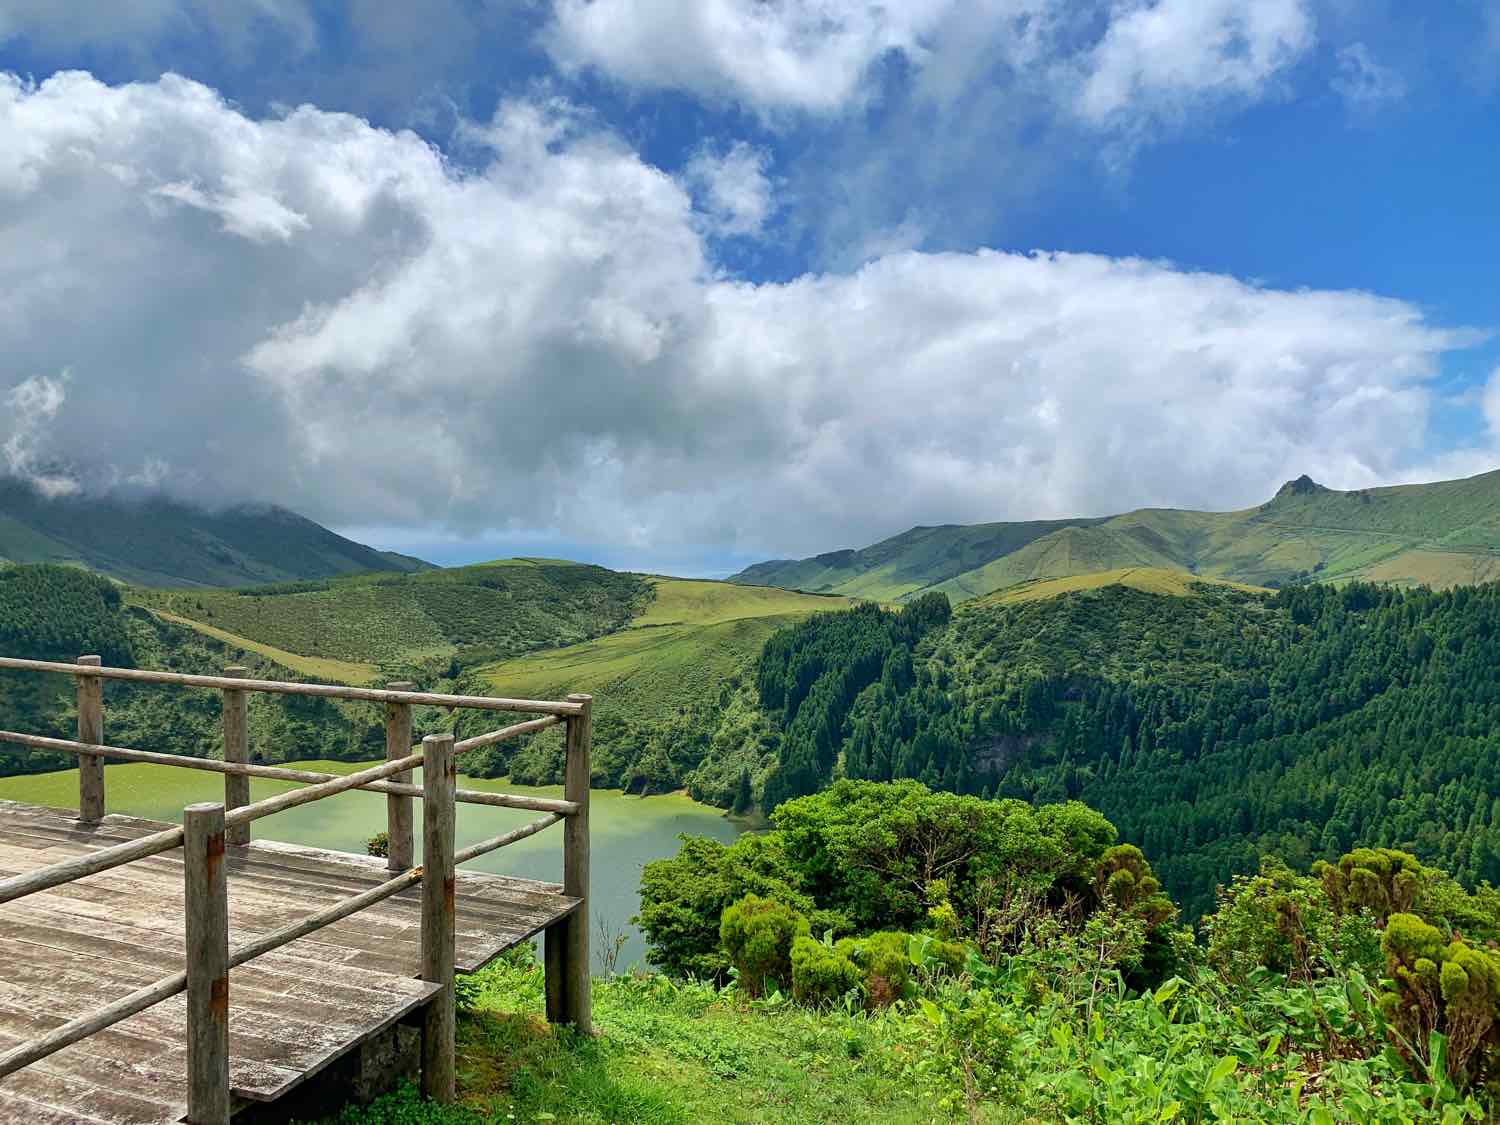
313	311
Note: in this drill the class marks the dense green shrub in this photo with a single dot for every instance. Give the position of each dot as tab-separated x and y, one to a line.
683	897
757	935
1283	921
1443	995
884	963
822	975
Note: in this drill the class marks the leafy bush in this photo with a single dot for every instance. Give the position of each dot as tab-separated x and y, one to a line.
683	898
822	975
757	935
1442	1003
1284	922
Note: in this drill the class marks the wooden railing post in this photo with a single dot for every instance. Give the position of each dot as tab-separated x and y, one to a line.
236	749
439	1029
206	906
566	944
91	730
398	811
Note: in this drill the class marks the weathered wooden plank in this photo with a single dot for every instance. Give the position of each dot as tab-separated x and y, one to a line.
14	1108
80	945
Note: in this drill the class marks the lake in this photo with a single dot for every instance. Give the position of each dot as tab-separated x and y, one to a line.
626	832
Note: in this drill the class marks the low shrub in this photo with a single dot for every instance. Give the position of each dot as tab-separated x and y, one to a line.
822	975
757	935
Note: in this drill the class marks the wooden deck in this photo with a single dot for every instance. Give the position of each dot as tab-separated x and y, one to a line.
70	950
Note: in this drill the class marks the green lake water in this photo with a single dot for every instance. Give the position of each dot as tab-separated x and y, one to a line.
626	832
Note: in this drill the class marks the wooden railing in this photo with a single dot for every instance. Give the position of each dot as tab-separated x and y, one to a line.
208	828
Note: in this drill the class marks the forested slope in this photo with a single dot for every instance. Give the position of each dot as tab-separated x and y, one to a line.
1209	728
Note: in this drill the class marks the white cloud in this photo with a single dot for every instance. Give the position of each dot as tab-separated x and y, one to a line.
769	54
544	343
1110	63
737	193
1363	83
31	406
1164	58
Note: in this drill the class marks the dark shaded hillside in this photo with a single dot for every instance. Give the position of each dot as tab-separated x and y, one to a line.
1210	728
1441	534
155	541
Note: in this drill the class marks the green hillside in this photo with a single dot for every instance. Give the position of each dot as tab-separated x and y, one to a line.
1441	534
905	563
417	624
155	541
675	689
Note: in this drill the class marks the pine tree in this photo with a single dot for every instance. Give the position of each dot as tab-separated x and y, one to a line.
742	795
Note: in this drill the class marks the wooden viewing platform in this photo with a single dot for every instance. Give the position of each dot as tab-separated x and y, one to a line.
151	973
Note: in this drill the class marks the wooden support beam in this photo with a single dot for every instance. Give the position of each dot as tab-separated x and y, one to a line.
90	729
401	847
439	882
206	904
566	944
236	752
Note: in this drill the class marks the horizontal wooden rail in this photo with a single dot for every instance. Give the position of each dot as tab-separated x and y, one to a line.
279	773
54	875
283	801
484	847
504	733
279	687
69	1033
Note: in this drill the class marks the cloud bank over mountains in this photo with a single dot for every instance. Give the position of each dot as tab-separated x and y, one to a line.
346	320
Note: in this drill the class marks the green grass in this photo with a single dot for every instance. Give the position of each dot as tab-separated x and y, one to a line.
318	668
692	637
666	681
1439	534
665	1054
466	614
1149	580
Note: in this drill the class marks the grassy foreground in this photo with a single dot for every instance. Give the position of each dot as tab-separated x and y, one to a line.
665	1053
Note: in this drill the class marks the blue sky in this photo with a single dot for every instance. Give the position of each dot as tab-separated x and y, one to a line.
681	285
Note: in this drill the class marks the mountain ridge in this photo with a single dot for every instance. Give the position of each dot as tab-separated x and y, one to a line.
153	540
1443	533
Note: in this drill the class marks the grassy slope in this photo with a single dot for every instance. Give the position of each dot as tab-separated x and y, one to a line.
690	635
158	542
676	675
1174	583
665	1054
315	667
1439	534
466	614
